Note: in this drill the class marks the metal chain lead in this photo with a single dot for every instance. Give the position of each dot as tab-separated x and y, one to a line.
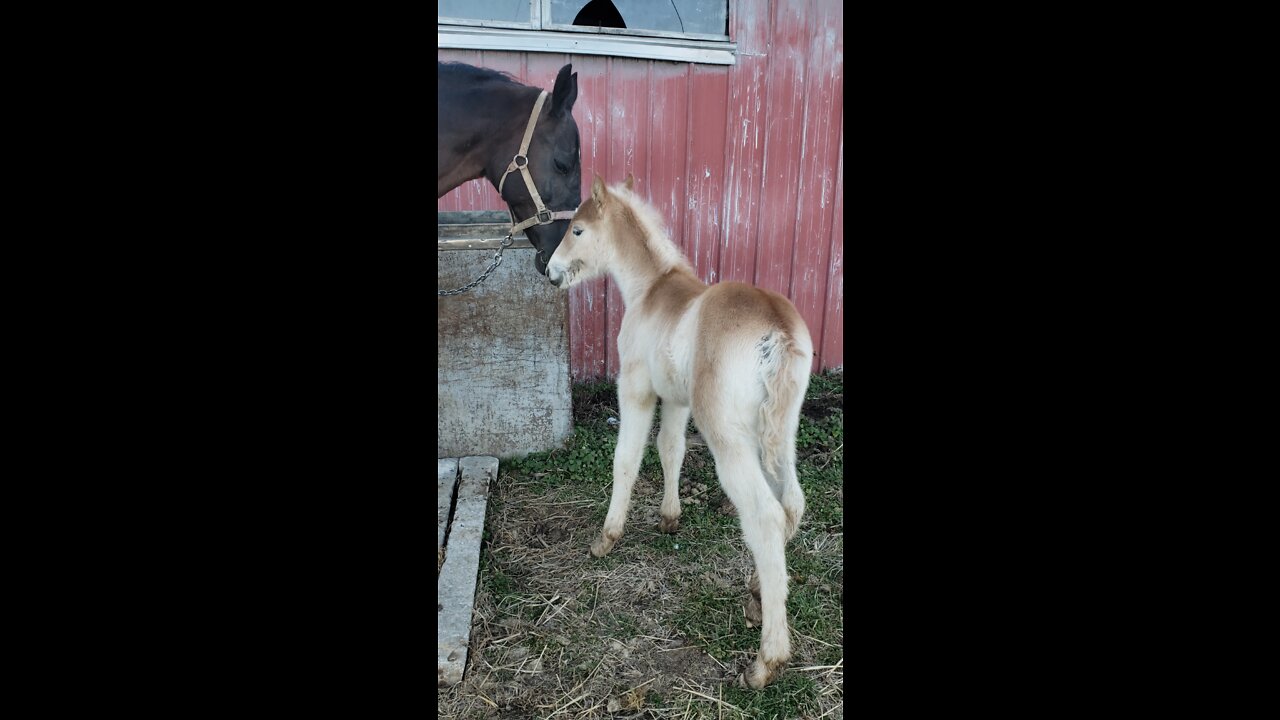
497	260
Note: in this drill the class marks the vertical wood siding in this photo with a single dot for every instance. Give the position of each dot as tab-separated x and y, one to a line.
745	162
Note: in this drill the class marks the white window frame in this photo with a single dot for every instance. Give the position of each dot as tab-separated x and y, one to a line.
540	36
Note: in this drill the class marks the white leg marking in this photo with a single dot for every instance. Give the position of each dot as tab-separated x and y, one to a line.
635	405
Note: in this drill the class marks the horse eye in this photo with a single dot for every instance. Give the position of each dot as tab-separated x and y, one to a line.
564	169
577	231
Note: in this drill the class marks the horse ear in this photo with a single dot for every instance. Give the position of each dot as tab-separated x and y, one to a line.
629	181
565	91
597	191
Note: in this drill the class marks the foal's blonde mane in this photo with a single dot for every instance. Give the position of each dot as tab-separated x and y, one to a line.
652	229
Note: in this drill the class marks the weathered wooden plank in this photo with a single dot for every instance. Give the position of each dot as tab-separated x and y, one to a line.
708	90
487	236
473	217
833	314
470	57
475	194
587	301
820	138
744	139
628	107
541	70
628	145
486	240
784	128
456	584
668	152
512	63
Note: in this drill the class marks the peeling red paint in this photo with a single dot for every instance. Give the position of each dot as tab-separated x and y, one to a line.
745	163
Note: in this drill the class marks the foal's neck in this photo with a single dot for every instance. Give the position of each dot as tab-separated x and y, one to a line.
648	266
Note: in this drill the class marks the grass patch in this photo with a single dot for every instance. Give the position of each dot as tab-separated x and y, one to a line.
655	629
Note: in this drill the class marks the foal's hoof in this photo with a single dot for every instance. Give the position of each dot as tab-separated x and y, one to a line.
669	525
760	674
602	546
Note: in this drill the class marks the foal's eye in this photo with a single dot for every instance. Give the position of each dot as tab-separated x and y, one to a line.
577	230
564	169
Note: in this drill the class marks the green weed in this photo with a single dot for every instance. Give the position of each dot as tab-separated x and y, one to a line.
655	592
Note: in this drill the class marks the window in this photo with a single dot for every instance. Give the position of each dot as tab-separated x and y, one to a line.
676	30
490	13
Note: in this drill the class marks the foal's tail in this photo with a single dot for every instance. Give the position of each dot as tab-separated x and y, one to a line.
785	371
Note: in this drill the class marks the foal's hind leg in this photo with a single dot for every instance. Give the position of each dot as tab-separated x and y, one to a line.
789	493
763	527
782	479
635	406
675	419
752	609
792	498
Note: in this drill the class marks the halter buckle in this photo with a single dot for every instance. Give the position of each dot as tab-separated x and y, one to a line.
544	217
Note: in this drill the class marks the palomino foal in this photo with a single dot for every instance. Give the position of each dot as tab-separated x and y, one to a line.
735	356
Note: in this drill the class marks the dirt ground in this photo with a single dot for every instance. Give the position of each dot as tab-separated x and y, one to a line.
656	629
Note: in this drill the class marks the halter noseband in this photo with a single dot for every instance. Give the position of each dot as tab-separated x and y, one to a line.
542	216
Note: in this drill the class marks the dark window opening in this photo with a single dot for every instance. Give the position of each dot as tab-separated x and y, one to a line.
704	17
600	13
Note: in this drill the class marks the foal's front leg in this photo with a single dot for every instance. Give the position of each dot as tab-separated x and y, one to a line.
671	445
635	405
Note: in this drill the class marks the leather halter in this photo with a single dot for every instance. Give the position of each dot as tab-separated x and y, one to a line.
543	216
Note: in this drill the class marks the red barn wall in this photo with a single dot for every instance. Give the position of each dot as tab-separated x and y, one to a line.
744	161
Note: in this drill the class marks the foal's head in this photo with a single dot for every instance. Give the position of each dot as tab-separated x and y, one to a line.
588	247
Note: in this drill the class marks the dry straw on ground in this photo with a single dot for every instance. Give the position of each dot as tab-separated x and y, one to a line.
657	629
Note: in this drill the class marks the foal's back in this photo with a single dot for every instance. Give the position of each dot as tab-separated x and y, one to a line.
714	343
742	333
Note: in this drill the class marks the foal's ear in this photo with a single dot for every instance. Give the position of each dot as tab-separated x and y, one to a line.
629	181
565	92
597	191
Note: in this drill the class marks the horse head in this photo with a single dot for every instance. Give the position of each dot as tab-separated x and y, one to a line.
555	166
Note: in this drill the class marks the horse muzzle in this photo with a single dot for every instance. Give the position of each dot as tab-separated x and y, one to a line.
545	239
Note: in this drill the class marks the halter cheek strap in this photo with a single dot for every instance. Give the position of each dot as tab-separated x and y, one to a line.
520	162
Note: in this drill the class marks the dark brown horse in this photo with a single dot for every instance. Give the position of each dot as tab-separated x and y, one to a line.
484	117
